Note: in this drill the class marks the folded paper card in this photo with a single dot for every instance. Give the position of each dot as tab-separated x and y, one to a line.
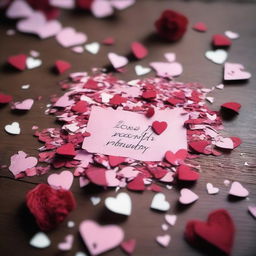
129	134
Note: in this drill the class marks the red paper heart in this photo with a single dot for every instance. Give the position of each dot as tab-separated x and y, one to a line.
176	158
5	98
150	112
237	141
62	66
97	175
115	160
232	106
137	184
185	173
139	50
128	246
199	146
18	61
159	127
80	107
66	150
200	26
219	40
117	100
219	230
91	84
149	94
108	41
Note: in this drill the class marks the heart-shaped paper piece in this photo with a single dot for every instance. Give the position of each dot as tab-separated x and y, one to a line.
231	34
185	173
66	150
140	70
211	189
33	63
170	56
252	210
170	219
159	203
139	50
108	41
49	29
121	204
121	5
219	40
128	246
235	71
13	128
164	240
5	98
234	106
18	61
99	239
63	180
166	69
159	127
117	61
199	145
95	200
226	143
150	112
97	175
23	105
148	94
238	190
62	66
137	184
64	4
19	9
200	26
218	56
101	8
40	240
92	48
116	160
67	244
177	158
187	196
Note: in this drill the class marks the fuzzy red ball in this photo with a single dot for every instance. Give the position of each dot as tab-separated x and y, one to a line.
171	25
49	206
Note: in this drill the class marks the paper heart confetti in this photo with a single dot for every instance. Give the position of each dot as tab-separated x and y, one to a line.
185	173
226	143
40	240
68	37
95	200
66	150
159	127
101	8
62	66
219	40
218	231
77	49
200	26
20	162
187	196
128	246
238	190
170	56
211	190
116	160
67	244
150	112
252	210
33	63
177	158
49	29
63	180
235	71
234	106
170	219
164	240
140	70
18	61
165	69
92	48
13	128
19	9
23	105
136	184
64	4
121	5
159	203
108	41
121	204
117	61
5	98
231	34
99	239
218	56
139	50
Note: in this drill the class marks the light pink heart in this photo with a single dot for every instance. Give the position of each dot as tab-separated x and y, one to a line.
19	9
20	162
83	182
68	37
49	29
238	190
65	4
252	210
111	179
63	102
117	61
187	196
101	8
225	143
121	5
170	219
24	105
170	56
63	180
235	71
165	69
99	239
164	240
168	177
67	244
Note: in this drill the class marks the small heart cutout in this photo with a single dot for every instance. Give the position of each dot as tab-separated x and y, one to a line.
159	203
187	196
159	127
238	190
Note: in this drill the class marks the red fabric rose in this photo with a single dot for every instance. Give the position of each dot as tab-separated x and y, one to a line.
44	6
84	4
171	25
49	206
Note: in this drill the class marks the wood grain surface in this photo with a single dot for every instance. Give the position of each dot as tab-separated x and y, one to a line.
134	24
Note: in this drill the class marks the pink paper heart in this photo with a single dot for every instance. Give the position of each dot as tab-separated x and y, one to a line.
67	244
101	8
165	69
235	71
24	105
19	9
225	143
238	190
63	102
187	196
117	61
65	4
49	29
121	5
68	37
99	239
20	162
252	210
164	240
63	180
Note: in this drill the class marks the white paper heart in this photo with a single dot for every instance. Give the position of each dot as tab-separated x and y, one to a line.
170	219
231	34
140	70
117	61
40	240
187	196
218	57
33	63
13	128
95	200
92	48
159	203
19	9
220	86
120	204
238	190
211	189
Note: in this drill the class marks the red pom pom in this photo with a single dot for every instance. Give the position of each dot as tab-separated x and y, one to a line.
171	25
49	206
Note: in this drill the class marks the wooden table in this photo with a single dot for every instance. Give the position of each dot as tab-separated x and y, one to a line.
134	24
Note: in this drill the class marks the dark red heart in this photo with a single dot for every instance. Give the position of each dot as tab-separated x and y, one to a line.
80	107
139	50
117	100
137	184
5	98
62	66
199	146
185	173
176	158
18	61
219	231
128	246
237	141
219	40
115	160
150	112
234	106
66	150
97	175
108	41
149	94
159	127
200	26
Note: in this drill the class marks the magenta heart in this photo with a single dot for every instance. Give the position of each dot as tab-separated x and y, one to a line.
101	8
63	180
19	9
165	69
50	28
24	105
20	162
99	239
68	37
